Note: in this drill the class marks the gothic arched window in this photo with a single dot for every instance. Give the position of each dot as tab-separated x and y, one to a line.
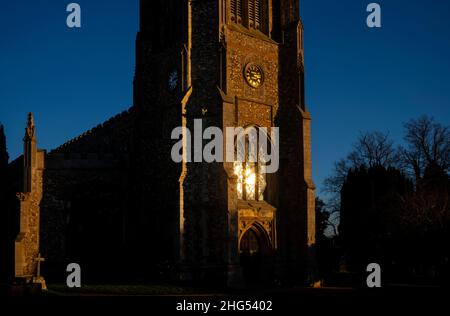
250	169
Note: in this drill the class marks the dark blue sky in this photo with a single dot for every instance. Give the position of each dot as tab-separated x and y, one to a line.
358	79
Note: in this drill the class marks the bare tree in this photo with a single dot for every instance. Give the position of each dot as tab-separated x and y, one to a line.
326	221
428	144
333	183
371	149
427	207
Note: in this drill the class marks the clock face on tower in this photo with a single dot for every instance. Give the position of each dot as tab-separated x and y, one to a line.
254	75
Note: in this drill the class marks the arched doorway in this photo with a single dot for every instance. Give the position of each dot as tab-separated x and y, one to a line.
255	256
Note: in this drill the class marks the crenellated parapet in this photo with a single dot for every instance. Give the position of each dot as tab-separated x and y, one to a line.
111	136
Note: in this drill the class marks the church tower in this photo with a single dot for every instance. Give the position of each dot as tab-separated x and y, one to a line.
228	63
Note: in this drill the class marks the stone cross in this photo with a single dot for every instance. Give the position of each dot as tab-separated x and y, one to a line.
39	259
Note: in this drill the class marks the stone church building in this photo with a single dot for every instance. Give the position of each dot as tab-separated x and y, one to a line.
113	200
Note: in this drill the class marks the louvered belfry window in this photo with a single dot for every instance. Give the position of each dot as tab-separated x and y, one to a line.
236	10
248	13
254	14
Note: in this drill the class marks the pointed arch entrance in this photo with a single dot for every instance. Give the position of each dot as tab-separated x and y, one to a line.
254	251
257	245
255	240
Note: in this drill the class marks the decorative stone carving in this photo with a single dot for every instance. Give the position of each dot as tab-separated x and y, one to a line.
23	196
257	213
